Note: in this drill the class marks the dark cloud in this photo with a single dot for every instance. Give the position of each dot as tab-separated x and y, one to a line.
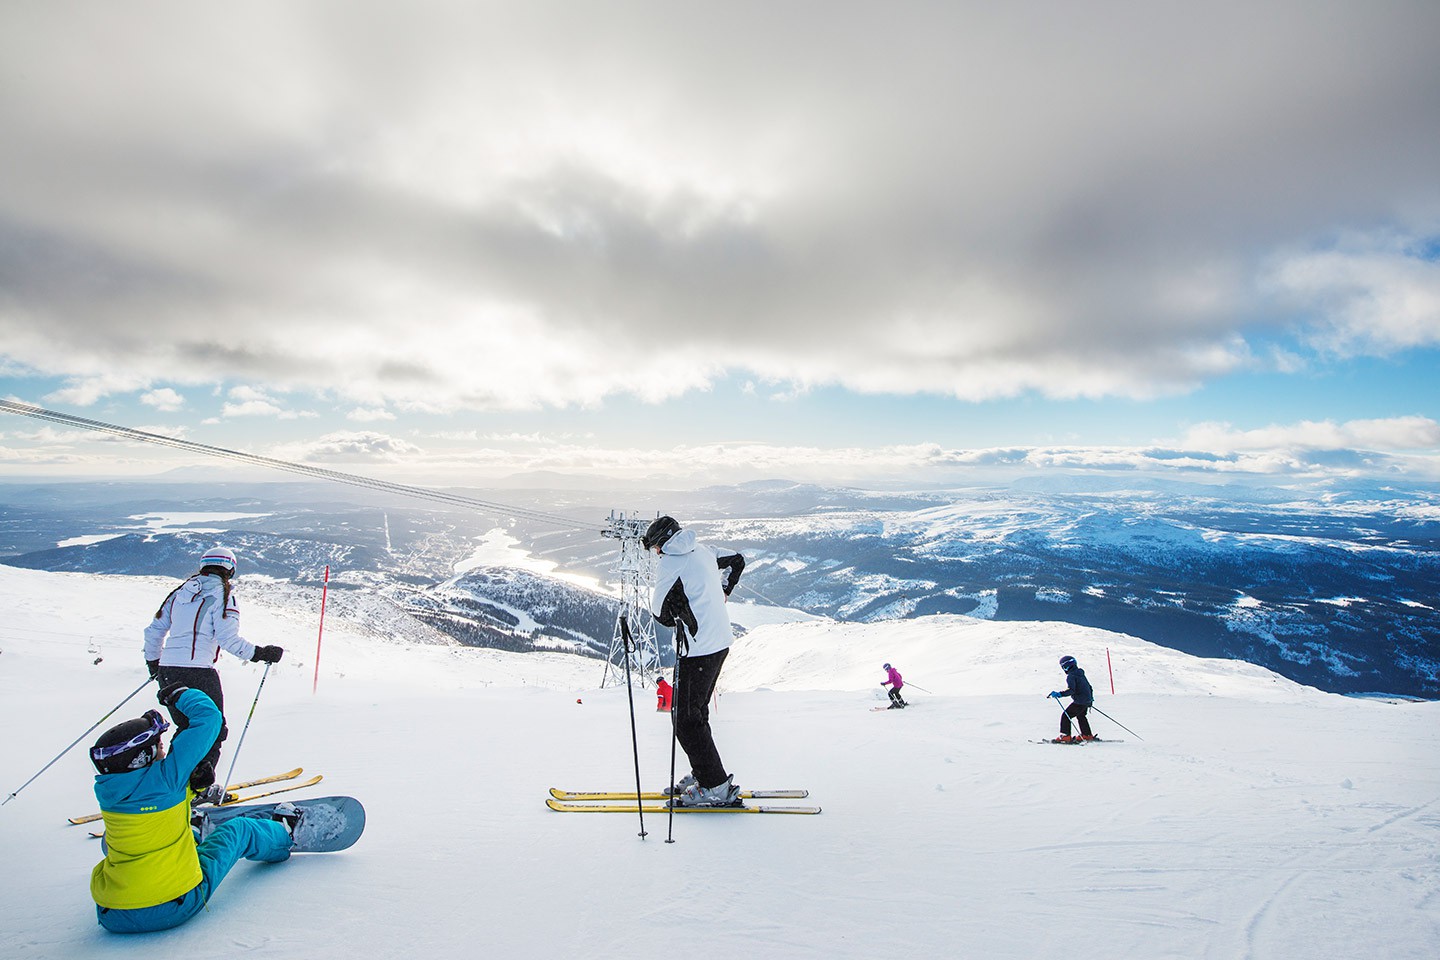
454	203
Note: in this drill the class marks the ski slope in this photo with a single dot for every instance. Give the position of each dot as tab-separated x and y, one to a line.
1256	819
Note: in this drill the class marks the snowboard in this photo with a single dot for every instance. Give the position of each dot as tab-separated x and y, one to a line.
328	823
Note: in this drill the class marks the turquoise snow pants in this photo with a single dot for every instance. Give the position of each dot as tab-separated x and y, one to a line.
243	838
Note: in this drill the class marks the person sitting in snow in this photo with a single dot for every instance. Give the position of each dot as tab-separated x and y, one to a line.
1082	698
663	692
692	584
184	638
154	875
894	682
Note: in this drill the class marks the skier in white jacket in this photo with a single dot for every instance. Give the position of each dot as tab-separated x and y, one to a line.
182	643
692	585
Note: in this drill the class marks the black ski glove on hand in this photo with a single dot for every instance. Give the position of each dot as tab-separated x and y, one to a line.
268	654
169	694
154	667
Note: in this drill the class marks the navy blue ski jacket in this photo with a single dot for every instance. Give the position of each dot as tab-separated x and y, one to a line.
1078	688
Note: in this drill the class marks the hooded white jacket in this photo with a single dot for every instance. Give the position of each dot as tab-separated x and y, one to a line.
194	623
697	568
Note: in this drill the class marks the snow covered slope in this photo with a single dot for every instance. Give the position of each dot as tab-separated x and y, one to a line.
953	656
1256	819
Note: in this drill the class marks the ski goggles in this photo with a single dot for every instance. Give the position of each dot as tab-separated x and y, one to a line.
158	725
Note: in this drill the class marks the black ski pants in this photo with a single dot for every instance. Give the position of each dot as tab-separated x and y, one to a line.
207	681
695	680
1078	711
895	697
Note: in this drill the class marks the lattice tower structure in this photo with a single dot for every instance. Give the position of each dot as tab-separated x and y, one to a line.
635	571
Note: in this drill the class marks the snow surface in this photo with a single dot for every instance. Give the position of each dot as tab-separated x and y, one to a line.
1256	819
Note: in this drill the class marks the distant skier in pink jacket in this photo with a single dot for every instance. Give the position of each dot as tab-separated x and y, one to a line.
894	682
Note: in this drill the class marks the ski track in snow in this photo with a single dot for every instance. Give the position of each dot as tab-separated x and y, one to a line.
1255	819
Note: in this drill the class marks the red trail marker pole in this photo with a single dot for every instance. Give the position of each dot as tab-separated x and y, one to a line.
1112	671
324	589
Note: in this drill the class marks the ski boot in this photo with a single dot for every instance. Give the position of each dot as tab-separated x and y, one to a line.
213	795
725	794
686	782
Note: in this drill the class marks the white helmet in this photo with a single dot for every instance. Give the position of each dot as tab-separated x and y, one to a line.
222	557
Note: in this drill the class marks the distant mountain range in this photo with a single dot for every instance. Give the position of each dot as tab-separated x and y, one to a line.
1334	588
1339	593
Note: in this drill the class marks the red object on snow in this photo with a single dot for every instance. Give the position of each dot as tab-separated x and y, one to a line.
662	696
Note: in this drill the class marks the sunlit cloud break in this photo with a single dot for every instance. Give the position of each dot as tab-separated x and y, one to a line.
1408	446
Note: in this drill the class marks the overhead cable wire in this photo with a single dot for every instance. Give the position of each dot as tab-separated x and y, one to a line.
307	470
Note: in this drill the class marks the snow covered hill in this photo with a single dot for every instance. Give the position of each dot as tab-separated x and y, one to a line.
961	656
1257	818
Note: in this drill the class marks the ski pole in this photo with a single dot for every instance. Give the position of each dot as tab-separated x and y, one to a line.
1063	714
1116	722
634	740
77	740
917	687
248	717
674	727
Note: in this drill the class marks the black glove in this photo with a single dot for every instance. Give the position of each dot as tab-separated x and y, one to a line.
170	693
268	654
154	667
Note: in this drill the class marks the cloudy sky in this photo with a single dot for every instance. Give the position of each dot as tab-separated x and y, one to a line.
454	239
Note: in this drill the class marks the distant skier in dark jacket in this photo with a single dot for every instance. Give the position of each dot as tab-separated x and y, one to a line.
894	682
1082	698
184	639
154	876
692	584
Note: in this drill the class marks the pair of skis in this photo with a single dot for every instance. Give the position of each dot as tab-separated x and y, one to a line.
232	795
620	801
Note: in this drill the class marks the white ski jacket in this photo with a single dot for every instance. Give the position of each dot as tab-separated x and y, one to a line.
697	568
194	623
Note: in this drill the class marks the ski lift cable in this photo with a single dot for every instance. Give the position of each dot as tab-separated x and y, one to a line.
320	473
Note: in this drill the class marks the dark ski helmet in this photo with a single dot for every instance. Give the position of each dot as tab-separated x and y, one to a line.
1067	664
129	745
886	667
659	532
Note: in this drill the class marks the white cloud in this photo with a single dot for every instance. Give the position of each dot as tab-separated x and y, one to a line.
252	408
350	447
1395	434
87	391
244	393
369	414
1371	294
1407	447
164	399
249	401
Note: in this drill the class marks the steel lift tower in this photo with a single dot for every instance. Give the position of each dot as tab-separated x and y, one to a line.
636	572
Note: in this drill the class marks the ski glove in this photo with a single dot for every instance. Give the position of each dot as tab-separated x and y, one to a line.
1056	694
268	654
154	667
170	693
